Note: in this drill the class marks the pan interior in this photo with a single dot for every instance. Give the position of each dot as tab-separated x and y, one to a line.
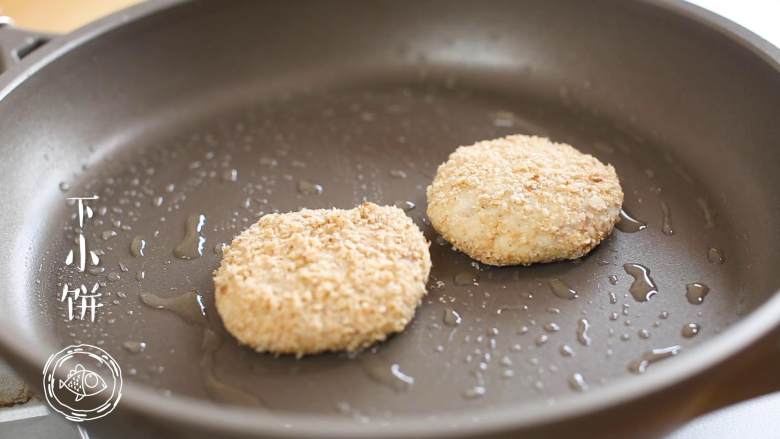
234	151
516	340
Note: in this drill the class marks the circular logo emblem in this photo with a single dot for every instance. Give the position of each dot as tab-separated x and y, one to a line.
82	382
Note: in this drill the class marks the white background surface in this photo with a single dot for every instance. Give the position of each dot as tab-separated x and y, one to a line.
760	16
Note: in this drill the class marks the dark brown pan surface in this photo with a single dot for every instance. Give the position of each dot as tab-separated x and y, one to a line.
358	143
171	124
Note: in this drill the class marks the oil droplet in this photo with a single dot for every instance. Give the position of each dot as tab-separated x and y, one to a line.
406	206
612	298
64	186
191	246
135	347
644	333
643	287
216	388
230	175
640	365
629	224
308	188
613	279
577	382
451	317
113	277
552	327
189	306
503	119
690	330
696	292
137	246
541	339
562	290
474	392
715	256
666	223
397	173
706	210
566	350
465	278
108	234
582	332
386	373
346	409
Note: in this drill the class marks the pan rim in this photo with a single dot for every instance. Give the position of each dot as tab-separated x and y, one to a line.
184	410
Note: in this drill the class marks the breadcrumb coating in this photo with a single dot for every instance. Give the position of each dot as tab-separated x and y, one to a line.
523	199
322	280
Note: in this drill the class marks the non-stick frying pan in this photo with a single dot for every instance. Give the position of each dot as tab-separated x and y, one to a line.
235	109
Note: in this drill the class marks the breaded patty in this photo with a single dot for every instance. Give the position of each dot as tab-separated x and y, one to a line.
322	280
523	199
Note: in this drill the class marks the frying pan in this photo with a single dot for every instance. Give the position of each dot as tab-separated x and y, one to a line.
235	109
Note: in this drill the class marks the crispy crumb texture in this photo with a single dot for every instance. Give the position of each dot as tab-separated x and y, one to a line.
322	280
524	199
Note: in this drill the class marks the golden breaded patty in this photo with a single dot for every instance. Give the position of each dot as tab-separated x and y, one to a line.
322	280
523	199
